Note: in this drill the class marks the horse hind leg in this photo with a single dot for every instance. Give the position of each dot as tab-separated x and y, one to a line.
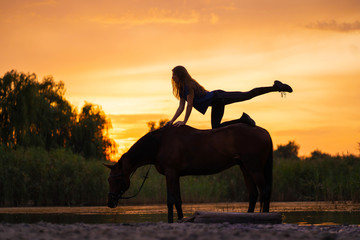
268	175
253	196
266	198
178	207
252	190
265	192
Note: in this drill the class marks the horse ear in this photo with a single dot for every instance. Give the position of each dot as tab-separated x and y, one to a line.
108	165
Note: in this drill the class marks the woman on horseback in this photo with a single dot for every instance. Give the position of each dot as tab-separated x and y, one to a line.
186	89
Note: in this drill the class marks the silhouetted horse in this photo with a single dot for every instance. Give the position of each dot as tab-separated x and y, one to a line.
181	151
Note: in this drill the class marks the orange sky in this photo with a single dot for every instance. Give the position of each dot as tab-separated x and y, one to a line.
119	54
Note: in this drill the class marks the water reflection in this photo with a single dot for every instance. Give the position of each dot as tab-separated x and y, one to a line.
297	213
322	218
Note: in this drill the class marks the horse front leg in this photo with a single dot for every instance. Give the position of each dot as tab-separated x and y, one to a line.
170	206
173	196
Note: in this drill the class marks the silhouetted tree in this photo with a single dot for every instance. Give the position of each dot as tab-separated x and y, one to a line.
289	150
90	133
34	113
317	154
152	124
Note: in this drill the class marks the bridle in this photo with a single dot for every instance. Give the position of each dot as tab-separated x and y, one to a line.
118	196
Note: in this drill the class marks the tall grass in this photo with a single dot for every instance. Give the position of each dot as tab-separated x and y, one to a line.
37	177
325	178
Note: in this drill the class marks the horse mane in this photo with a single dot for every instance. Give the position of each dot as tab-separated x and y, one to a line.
145	148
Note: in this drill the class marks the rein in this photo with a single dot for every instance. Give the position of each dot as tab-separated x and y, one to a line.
118	196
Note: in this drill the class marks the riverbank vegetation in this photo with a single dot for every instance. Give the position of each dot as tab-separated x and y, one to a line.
37	177
320	177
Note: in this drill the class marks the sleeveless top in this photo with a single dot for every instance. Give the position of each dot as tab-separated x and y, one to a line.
200	103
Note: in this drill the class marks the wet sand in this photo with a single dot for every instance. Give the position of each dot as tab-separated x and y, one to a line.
165	231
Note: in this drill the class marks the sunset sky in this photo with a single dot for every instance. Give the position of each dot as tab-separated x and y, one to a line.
119	54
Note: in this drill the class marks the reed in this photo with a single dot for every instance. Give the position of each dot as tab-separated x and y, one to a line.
37	177
324	178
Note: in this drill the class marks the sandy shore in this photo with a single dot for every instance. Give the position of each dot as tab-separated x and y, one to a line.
176	231
165	231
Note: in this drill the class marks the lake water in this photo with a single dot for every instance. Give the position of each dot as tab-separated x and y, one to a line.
303	213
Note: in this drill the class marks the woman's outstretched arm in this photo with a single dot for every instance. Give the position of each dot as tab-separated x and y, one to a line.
190	100
178	111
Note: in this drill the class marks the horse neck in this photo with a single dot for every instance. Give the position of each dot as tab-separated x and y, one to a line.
143	152
130	166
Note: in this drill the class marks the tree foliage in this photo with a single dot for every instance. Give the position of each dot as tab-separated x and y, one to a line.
36	114
289	151
152	124
316	154
90	133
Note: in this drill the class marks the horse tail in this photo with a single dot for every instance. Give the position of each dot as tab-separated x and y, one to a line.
268	174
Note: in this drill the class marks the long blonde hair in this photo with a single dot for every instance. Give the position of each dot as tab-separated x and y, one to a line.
185	80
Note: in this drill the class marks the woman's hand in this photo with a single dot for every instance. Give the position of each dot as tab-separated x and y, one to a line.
169	123
178	112
179	123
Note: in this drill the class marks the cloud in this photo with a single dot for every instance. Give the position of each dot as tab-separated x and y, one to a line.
43	3
333	25
151	16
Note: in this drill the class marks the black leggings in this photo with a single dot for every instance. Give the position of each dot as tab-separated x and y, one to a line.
222	98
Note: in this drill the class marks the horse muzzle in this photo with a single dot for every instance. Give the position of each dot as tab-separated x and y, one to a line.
112	204
113	199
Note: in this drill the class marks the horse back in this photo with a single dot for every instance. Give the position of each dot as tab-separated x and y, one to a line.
240	135
211	151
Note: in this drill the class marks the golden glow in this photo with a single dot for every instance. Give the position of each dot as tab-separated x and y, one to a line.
119	54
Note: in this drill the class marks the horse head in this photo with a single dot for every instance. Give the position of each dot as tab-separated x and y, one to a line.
119	182
141	153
